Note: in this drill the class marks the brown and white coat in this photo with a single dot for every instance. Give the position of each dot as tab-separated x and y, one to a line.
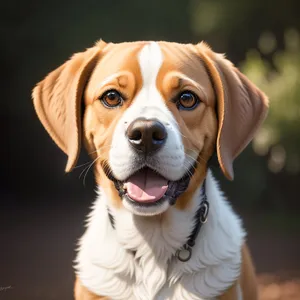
136	259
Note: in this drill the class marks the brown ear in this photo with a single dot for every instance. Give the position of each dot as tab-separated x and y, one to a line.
242	107
57	101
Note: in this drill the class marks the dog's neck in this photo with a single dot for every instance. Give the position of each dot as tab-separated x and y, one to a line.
157	235
140	246
157	223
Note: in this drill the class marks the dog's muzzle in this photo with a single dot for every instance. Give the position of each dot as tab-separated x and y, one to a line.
146	187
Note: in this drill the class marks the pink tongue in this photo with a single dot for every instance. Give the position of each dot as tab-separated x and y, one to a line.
146	186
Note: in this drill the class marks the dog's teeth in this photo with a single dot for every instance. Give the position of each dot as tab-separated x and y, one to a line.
125	186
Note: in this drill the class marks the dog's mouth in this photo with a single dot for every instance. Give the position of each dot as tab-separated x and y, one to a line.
146	187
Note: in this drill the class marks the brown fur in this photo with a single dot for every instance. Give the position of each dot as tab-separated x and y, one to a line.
81	293
248	277
241	107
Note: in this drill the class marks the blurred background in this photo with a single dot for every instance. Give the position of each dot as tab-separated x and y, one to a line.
43	210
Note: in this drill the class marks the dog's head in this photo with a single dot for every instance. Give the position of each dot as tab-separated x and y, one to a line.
151	115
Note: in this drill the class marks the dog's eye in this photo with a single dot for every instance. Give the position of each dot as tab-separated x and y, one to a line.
111	99
187	101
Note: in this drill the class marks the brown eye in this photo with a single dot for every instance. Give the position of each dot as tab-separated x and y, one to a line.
187	101
111	99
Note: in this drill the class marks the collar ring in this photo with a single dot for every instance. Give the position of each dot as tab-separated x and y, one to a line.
184	254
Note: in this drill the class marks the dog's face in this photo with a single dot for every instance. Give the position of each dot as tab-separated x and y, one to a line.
153	115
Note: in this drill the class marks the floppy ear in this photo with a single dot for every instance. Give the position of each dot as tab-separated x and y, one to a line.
57	101
242	107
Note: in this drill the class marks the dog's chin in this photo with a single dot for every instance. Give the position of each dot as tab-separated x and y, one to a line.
146	209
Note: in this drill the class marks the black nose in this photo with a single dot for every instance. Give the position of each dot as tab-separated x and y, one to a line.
146	135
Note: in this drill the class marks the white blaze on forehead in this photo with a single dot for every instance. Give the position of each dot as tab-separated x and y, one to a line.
150	104
150	60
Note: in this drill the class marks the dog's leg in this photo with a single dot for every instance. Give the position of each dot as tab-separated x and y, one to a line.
81	293
248	276
231	294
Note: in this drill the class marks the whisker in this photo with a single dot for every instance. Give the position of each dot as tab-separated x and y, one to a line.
193	159
189	149
89	166
183	135
190	165
199	157
187	170
83	171
204	160
89	169
81	165
100	148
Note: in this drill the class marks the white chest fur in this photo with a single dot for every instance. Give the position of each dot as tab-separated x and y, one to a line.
136	259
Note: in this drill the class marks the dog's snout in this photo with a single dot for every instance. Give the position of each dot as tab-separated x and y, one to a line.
146	135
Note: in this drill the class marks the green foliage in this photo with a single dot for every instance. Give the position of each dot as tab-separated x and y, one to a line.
234	26
280	80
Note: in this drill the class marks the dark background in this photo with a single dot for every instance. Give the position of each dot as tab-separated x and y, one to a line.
42	209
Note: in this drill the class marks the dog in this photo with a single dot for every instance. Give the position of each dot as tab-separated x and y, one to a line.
151	115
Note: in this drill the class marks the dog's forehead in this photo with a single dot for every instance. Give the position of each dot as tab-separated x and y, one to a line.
117	57
149	61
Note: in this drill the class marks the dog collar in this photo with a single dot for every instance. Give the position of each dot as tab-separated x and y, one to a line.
185	252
